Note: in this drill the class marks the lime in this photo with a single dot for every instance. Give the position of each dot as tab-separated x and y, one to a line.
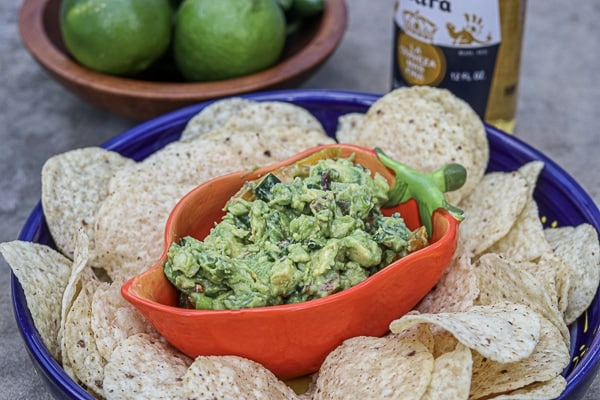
285	4
223	39
307	8
119	37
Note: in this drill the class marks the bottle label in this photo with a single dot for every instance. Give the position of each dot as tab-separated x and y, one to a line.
449	44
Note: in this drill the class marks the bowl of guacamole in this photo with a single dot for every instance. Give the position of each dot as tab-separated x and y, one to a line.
282	263
291	240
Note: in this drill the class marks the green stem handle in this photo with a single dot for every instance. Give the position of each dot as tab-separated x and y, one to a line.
427	189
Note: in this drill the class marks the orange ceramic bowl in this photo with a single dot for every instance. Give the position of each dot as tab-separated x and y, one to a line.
293	339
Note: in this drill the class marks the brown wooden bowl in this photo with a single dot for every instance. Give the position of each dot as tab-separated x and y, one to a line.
153	93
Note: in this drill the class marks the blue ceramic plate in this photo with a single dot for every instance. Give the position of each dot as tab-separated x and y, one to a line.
559	197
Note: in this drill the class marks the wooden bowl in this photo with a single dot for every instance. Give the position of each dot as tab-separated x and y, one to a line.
151	94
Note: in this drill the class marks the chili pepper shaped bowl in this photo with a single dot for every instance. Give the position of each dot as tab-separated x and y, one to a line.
290	339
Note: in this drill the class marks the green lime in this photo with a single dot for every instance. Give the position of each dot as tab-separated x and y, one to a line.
119	37
224	39
285	4
307	8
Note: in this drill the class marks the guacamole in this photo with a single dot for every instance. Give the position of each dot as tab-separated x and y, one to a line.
291	237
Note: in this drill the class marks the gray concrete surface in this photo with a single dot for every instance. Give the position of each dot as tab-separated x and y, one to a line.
558	113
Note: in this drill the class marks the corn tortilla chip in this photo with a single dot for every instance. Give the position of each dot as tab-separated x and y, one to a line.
375	368
531	172
73	186
550	389
525	241
259	116
443	341
491	210
349	127
231	377
500	280
426	128
191	163
503	332
451	377
553	273
212	117
143	367
421	332
546	362
43	274
113	319
579	248
81	272
129	229
81	351
81	275
455	291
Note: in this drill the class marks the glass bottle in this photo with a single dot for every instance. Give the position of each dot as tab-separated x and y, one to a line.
470	47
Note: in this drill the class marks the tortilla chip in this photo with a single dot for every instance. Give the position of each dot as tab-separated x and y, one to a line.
375	368
349	128
81	275
455	291
143	367
263	115
421	332
504	280
113	319
551	389
443	341
130	226
553	273
546	362
426	128
43	274
491	210
81	272
525	241
73	186
231	377
579	248
80	347
269	145
451	377
212	117
531	172
503	332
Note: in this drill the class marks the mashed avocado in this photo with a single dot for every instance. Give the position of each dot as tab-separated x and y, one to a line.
320	232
